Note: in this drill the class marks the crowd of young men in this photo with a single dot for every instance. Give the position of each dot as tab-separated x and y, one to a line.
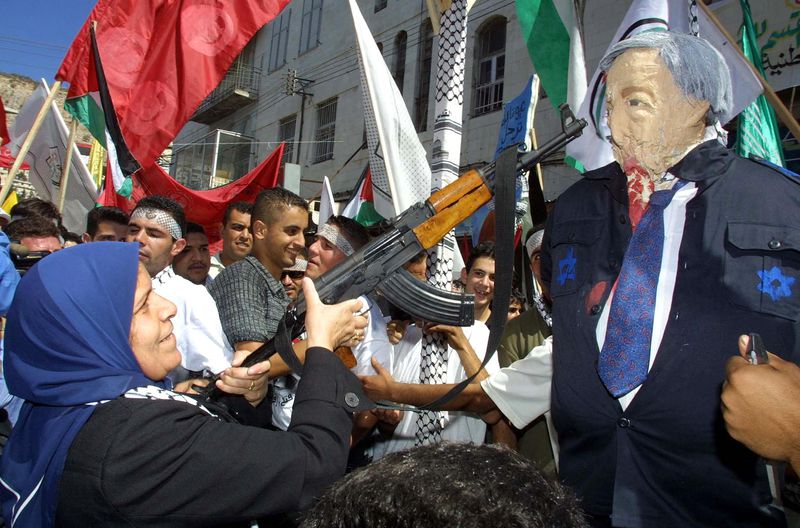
643	318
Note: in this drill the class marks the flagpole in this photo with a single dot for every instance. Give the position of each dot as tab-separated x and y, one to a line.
73	130
26	145
781	111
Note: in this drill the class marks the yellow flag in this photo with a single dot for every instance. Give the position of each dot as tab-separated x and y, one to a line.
10	202
97	162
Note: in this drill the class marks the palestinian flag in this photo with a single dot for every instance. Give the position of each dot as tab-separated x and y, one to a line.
552	32
361	206
96	112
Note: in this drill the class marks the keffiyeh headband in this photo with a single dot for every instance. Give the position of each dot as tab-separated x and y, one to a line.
335	237
160	217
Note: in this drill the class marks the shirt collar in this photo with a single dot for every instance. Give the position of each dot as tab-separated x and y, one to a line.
275	287
163	276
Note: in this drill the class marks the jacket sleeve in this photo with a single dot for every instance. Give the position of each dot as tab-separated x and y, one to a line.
167	460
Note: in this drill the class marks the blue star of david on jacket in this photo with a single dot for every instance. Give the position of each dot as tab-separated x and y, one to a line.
566	267
775	284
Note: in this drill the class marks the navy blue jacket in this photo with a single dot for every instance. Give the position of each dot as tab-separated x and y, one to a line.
668	460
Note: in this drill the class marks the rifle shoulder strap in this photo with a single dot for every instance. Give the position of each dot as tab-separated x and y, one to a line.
505	185
283	345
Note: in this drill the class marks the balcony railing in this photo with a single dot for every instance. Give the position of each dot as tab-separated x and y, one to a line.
239	88
488	97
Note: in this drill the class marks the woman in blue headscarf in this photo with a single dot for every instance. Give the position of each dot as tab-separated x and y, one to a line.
102	440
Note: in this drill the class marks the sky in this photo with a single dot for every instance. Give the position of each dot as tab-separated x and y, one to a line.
37	33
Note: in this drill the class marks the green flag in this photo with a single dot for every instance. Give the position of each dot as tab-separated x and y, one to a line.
551	31
757	127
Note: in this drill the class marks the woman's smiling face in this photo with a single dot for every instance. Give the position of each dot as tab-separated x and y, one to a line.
151	337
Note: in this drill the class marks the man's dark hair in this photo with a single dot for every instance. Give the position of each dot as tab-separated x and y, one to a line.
33	227
419	257
69	236
191	227
271	203
484	249
518	296
104	214
442	485
242	207
36	207
354	232
168	205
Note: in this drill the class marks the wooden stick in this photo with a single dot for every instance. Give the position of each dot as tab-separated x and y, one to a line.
781	111
535	145
73	130
26	145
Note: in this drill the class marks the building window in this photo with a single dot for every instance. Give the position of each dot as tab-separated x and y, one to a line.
286	132
309	30
279	40
380	4
490	66
326	130
424	80
400	59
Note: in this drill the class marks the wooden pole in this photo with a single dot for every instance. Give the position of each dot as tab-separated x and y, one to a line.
781	111
73	130
26	145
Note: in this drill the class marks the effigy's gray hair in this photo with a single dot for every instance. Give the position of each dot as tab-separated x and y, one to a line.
696	66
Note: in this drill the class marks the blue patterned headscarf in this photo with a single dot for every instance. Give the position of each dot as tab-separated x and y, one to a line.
66	348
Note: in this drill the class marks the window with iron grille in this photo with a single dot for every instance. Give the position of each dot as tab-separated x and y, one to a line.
400	43
490	67
286	132
279	40
326	130
380	4
310	26
424	81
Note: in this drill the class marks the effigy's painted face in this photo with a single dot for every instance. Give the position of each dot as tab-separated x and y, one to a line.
653	124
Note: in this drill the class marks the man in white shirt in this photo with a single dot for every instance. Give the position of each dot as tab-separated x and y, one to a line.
467	349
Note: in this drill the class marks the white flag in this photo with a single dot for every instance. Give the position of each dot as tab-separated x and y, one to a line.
401	175
327	207
47	156
591	149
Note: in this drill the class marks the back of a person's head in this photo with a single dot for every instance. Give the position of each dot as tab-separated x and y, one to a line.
104	214
272	203
354	232
31	227
447	485
484	249
168	205
36	207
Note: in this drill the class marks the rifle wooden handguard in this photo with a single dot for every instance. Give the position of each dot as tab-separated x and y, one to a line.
453	204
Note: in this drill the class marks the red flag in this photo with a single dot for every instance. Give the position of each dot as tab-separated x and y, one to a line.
202	207
162	58
7	160
4	137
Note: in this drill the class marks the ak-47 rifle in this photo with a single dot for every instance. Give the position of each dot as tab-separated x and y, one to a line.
377	266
